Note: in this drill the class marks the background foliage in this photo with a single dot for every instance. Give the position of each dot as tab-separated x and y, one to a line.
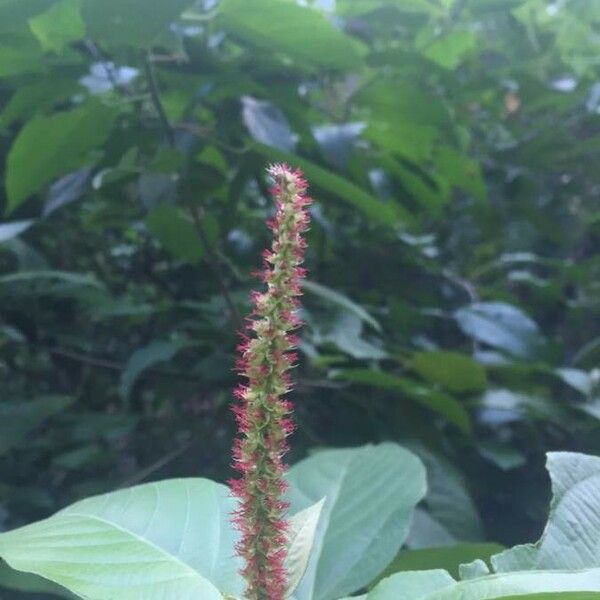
453	297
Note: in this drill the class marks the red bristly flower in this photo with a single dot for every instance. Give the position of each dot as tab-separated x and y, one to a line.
263	415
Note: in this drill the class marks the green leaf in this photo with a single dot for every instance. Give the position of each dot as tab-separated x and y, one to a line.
340	300
502	326
435	400
280	27
146	357
438	585
19	419
37	96
571	538
47	276
59	25
48	147
450	50
14	229
175	232
301	534
382	212
456	372
370	496
170	539
448	558
20	55
130	22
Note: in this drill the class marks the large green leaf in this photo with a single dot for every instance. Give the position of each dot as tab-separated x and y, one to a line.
438	585
280	26
170	539
48	147
448	558
571	539
370	495
130	22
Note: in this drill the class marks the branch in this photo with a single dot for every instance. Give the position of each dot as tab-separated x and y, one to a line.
211	255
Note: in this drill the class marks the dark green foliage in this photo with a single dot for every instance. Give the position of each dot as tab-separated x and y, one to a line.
452	303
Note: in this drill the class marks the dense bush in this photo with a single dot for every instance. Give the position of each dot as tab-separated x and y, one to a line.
452	302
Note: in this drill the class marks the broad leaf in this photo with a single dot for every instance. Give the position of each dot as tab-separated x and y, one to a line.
130	22
170	539
571	539
302	529
448	558
370	495
280	26
438	585
48	147
334	297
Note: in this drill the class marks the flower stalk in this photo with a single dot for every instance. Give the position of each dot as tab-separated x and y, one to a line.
262	412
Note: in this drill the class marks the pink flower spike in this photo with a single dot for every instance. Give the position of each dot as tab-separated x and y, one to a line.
262	413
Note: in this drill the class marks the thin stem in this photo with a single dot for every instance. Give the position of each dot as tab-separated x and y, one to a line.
211	256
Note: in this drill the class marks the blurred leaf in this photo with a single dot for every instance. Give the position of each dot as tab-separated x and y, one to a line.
11	230
59	25
67	189
267	124
20	55
340	300
502	326
449	50
47	147
144	358
280	26
130	22
577	379
36	96
175	232
387	213
19	419
439	402
456	372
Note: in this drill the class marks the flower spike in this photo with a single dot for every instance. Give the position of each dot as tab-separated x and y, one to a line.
263	415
